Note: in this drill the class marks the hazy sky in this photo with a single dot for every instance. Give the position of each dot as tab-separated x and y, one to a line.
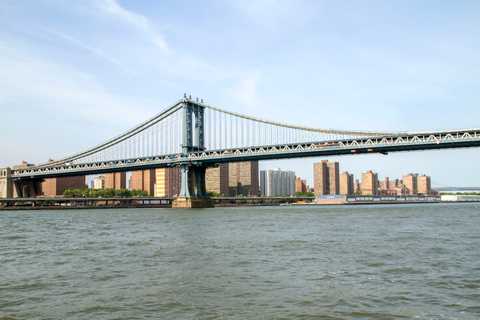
76	73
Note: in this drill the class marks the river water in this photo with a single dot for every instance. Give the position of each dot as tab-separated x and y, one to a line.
410	261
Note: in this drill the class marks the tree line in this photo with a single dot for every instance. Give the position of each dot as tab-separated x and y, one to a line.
103	193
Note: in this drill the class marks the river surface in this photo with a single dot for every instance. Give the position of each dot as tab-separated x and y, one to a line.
406	261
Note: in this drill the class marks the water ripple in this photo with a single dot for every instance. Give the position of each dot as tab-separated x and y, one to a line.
339	262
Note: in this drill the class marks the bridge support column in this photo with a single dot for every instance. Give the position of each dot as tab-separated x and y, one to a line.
186	189
26	189
200	190
193	192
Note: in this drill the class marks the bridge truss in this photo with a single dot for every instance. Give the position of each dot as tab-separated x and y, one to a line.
190	132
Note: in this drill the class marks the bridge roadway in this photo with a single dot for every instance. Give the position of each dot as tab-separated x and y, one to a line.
364	145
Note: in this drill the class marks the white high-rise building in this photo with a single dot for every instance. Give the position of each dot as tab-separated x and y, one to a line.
277	183
99	182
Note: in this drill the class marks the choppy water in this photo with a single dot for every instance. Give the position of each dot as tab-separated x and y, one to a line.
316	262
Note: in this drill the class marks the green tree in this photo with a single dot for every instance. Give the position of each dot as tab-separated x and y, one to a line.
212	194
124	193
68	193
304	194
109	193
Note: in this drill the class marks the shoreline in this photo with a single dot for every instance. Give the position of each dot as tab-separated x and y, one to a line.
160	206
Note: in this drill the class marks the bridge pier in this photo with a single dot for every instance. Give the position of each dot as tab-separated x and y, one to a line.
26	189
193	193
192	202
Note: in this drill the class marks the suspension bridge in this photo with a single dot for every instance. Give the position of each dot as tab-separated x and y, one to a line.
195	135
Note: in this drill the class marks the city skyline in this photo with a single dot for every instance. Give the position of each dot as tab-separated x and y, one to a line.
75	75
217	180
141	181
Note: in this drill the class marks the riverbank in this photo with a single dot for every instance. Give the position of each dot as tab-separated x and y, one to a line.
83	207
164	203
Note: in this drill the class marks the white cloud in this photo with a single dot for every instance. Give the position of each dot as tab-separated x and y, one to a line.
83	46
137	21
62	91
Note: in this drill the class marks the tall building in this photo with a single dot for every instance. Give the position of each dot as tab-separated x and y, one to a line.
144	180
346	184
116	180
424	185
356	186
168	182
411	183
277	183
326	178
99	182
394	184
384	185
300	185
243	178
57	186
216	179
233	179
369	183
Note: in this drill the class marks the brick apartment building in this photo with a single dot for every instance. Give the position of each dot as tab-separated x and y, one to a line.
370	183
233	179
216	179
57	186
326	178
346	184
168	181
116	180
300	185
144	180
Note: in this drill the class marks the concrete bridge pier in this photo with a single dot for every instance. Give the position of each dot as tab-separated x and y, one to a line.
6	183
11	188
193	193
26	188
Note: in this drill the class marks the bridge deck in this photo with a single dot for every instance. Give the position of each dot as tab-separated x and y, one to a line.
382	145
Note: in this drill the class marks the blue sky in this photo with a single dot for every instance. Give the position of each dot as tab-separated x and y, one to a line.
76	73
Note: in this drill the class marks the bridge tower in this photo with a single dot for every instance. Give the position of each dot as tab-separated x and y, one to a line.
193	193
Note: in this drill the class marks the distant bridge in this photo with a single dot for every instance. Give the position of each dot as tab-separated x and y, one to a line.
456	188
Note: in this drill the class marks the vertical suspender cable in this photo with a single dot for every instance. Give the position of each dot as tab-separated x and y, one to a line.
248	133
241	128
220	130
209	128
149	142
215	130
